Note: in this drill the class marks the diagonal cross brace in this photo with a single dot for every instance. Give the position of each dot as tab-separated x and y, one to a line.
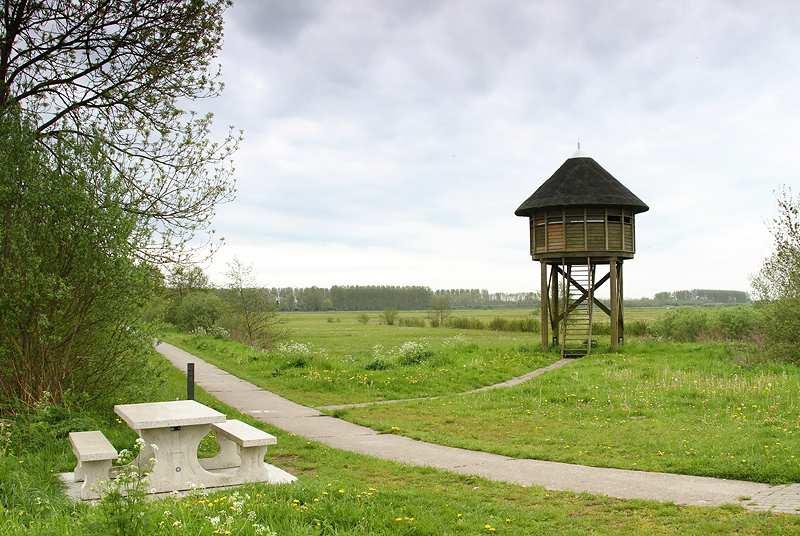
580	287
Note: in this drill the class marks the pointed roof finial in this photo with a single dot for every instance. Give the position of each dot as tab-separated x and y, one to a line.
579	153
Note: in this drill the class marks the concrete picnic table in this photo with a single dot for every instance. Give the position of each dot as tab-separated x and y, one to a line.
172	432
170	435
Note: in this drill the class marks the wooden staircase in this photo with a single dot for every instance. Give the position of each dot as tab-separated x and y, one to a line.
577	300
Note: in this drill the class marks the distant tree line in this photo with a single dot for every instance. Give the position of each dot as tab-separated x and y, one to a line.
381	297
405	298
692	297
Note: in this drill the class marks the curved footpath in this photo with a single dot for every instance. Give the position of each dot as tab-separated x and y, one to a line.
502	385
621	483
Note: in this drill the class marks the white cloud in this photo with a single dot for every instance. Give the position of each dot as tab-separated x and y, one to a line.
390	145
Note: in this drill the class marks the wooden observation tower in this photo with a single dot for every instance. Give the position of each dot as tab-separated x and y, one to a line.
581	218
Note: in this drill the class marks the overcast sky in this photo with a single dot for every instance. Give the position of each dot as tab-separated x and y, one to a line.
390	142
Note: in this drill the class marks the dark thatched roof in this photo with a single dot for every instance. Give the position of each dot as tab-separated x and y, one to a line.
580	181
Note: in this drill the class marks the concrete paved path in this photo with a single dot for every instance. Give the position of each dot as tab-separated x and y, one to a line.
502	385
624	484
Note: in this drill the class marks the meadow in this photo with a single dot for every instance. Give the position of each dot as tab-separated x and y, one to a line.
327	358
703	408
333	358
337	493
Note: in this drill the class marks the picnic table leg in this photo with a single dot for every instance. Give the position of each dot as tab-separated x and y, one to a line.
226	458
79	475
177	466
93	475
253	468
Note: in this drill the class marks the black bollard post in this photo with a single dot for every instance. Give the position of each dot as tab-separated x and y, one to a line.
190	381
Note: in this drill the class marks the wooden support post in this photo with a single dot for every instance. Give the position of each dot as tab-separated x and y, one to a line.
612	265
621	306
189	381
555	310
544	299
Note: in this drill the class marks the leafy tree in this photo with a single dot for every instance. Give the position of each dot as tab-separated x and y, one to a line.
184	278
199	310
777	285
440	310
779	277
70	291
117	75
254	319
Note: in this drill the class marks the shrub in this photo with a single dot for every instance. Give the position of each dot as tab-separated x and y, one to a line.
218	332
496	324
363	318
413	322
781	329
377	363
465	323
524	324
637	328
413	353
199	310
682	325
735	323
71	287
601	328
389	316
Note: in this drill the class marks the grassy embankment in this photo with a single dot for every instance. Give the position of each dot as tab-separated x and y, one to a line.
338	493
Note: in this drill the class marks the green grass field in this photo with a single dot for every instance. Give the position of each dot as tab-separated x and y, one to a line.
685	408
682	408
337	493
335	362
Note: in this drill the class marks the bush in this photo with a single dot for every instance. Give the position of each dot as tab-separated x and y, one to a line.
781	329
389	316
218	332
363	318
377	363
496	324
601	328
199	310
413	353
686	325
71	289
736	323
413	322
637	328
465	323
524	324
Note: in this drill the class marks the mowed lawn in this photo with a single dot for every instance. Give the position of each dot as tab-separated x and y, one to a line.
700	409
337	493
332	358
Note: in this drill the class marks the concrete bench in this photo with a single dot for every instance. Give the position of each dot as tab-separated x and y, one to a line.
94	454
243	447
